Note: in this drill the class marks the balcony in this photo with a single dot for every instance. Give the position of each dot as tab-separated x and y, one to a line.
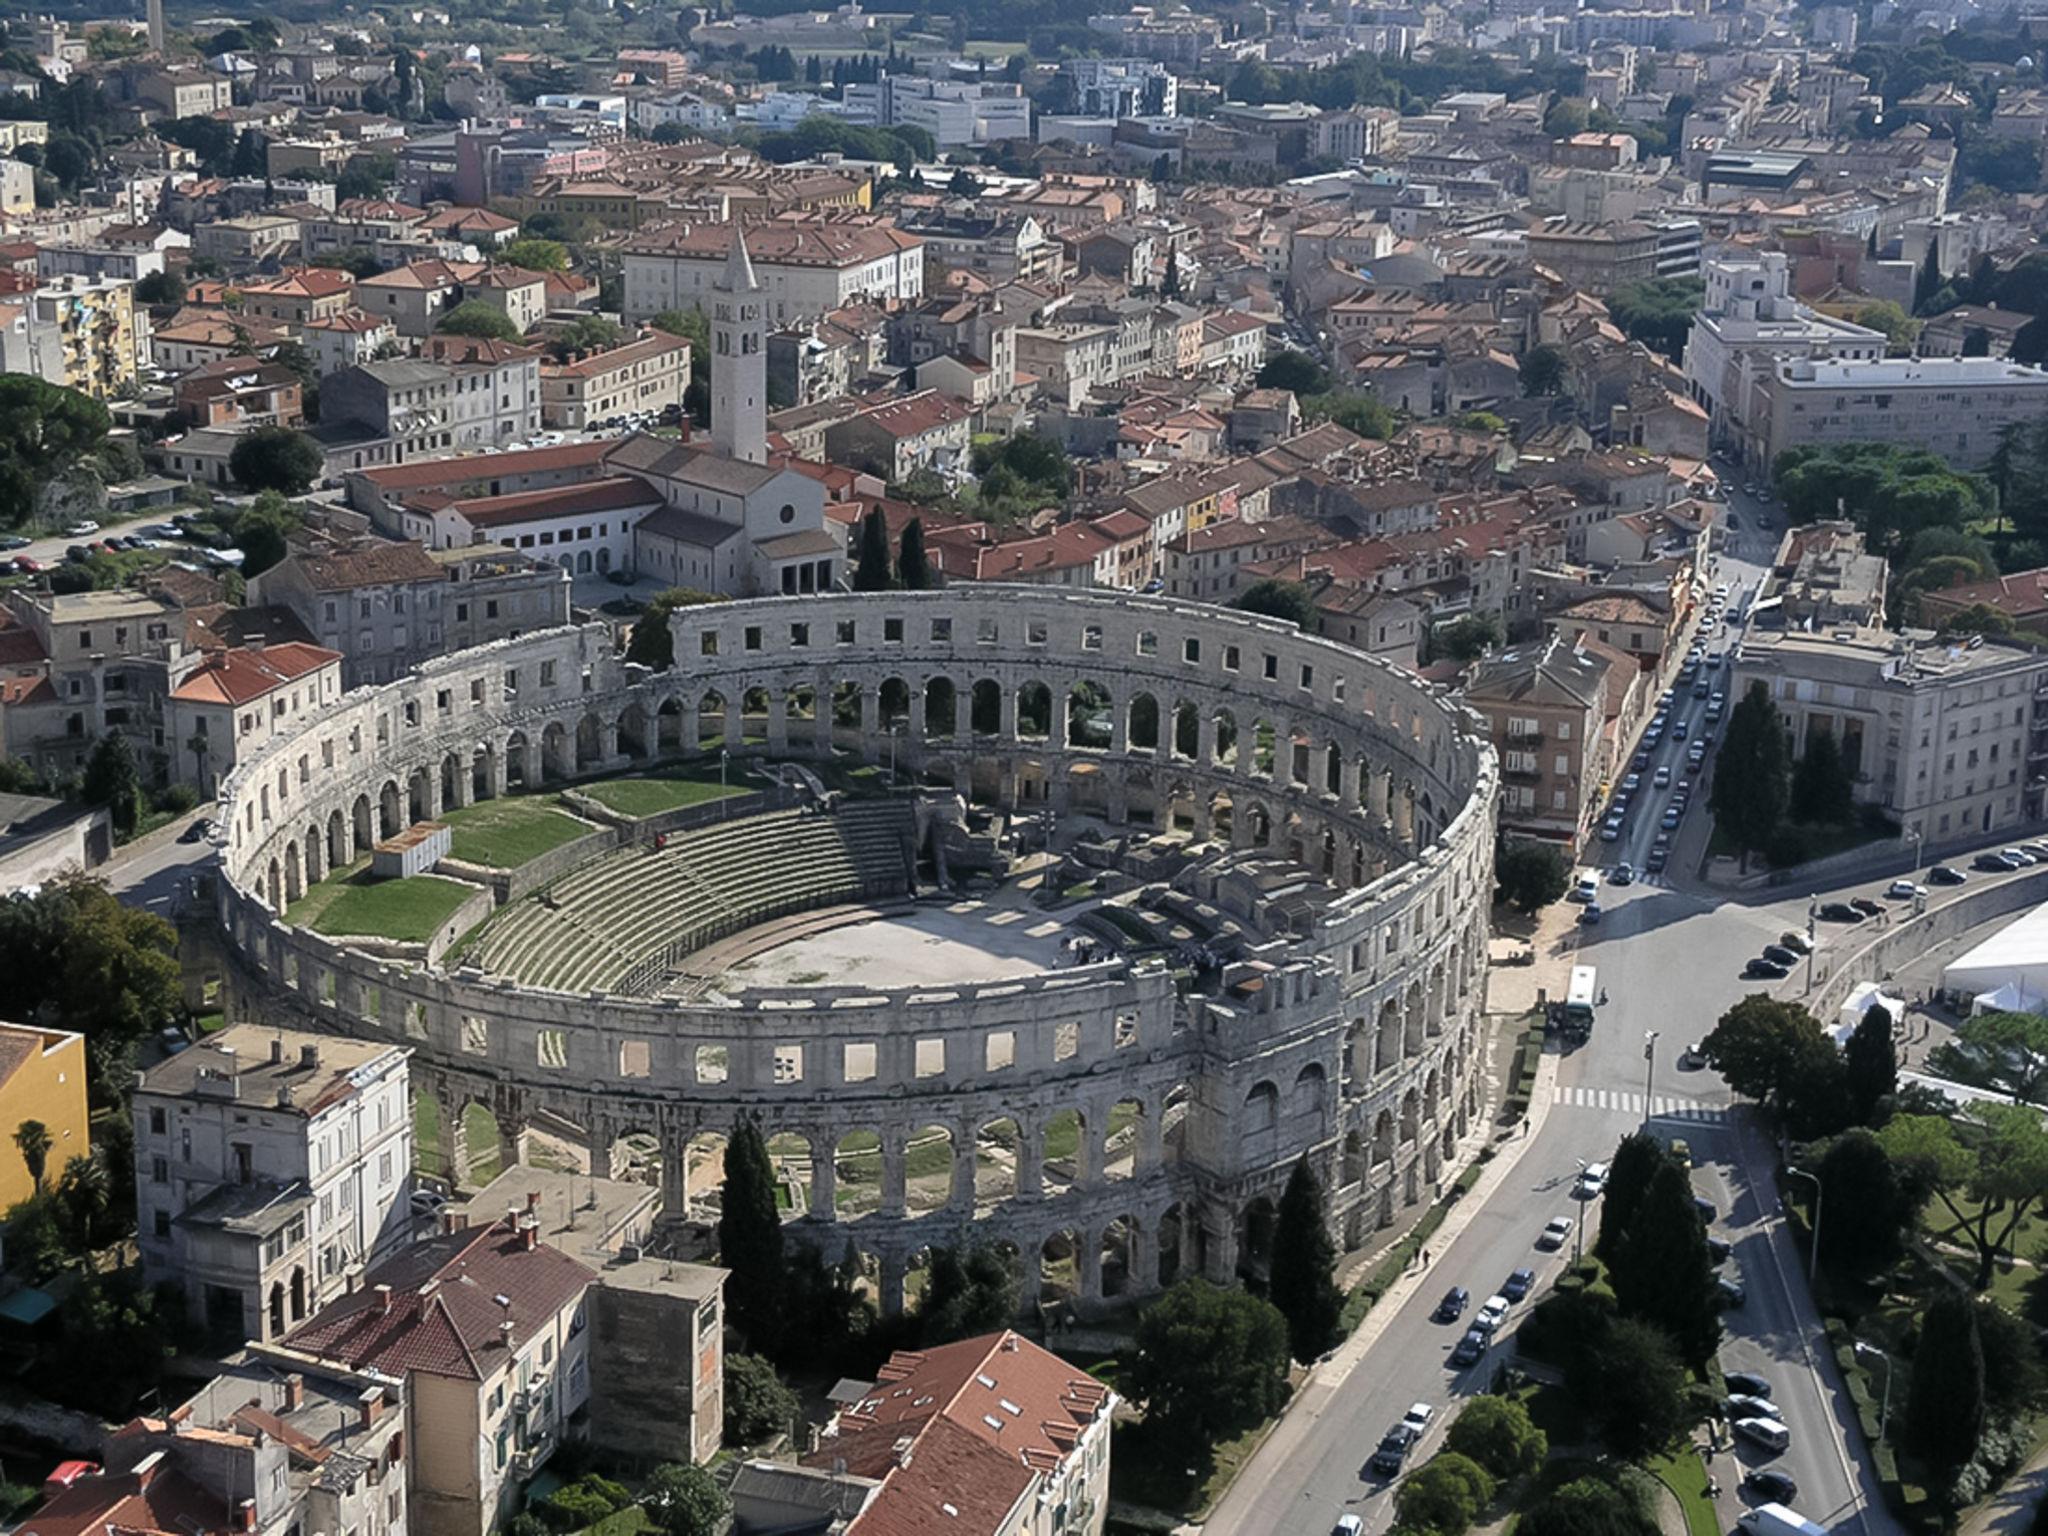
1520	736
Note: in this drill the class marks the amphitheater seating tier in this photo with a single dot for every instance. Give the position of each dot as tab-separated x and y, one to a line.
604	918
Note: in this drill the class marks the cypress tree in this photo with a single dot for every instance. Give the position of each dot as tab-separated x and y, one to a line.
1750	788
1870	1063
1822	793
1169	287
750	1236
1945	1404
1662	1272
1928	283
1635	1163
871	574
1304	1259
914	567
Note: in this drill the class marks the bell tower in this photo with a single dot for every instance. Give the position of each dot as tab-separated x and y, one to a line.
739	359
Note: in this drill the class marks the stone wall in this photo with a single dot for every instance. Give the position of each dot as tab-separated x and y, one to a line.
1868	954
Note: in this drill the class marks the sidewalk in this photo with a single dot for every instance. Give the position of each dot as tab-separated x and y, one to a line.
1247	1506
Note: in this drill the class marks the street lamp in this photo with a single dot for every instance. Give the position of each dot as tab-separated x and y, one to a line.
1813	1249
1916	835
1579	1227
1812	915
1884	1412
1649	1069
722	756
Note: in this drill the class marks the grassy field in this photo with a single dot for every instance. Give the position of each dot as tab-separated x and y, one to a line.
669	790
505	833
1685	1475
354	903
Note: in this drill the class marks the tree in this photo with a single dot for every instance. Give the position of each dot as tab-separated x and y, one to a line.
535	254
1989	1178
1586	1506
750	1236
2014	1379
1543	370
1870	1065
34	1141
1497	1433
110	780
1169	285
966	1295
44	430
914	571
277	459
1208	1363
2010	1053
1659	312
1633	1383
1470	637
473	317
1755	1043
758	1406
1296	371
263	532
586	333
652	645
366	176
1304	1263
964	184
1900	329
1750	789
1945	1400
1354	411
685	1500
1443	1496
1856	1175
165	287
1565	116
85	1193
1822	792
1927	281
1629	1172
871	573
1661	1270
1280	599
1531	875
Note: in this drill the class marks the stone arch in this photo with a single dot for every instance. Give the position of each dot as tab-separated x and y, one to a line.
1410	1117
1034	712
589	743
795	1163
668	725
1411	1023
1172	1236
1255	1227
338	850
1383	1138
1116	1260
1263	749
985	707
277	1313
1261	1108
316	853
1174	1105
857	1174
557	756
1063	1160
1187	731
1222	816
632	734
1310	1098
1124	1139
1088	707
892	702
1224	723
1432	1089
294	880
1333	769
418	801
1059	1265
711	721
390	810
756	704
298	1293
517	769
1439	1001
483	772
1354	1164
1357	1055
1258	823
998	1151
363	825
800	707
941	708
700	1174
454	779
928	1155
1141	723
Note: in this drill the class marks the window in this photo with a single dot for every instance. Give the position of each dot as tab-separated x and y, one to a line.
892	631
159	1170
158	1120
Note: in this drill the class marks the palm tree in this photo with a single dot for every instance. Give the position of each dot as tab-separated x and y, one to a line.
34	1140
84	1191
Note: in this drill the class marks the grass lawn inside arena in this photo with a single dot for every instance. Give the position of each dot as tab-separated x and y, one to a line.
669	790
505	833
354	903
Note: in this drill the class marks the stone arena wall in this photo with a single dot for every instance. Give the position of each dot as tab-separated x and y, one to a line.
1359	1047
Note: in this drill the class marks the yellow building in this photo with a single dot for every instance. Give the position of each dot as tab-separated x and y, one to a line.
42	1078
95	321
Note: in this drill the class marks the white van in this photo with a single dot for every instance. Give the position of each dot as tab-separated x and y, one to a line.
1768	1433
1777	1520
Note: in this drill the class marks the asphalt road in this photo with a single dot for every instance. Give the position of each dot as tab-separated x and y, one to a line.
1669	959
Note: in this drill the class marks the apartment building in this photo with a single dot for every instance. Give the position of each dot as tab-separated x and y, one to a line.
376	602
1951	406
1943	738
805	267
272	1168
303	297
1546	705
236	700
1597	258
111	660
42	1078
97	332
1069	359
649	373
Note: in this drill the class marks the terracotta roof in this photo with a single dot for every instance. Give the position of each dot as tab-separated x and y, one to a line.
369	563
157	1500
784	243
914	415
448	1296
238	676
305	282
612	494
433	472
468	221
19	646
597	364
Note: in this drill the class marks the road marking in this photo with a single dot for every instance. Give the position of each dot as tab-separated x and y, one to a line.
1662	1106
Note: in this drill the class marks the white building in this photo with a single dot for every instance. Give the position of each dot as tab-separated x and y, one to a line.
1952	406
1749	323
272	1169
805	267
954	113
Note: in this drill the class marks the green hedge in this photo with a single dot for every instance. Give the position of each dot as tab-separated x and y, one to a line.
1522	1079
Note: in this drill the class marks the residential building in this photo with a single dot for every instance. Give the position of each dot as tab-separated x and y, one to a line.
520	295
272	1168
998	1435
237	699
302	297
806	267
1628	622
1545	703
1597	258
248	239
42	1078
181	92
1954	407
1069	359
376	602
1942	738
1004	248
111	657
1824	578
1971	330
347	339
239	392
97	332
2022	596
415	297
647	374
498	593
898	437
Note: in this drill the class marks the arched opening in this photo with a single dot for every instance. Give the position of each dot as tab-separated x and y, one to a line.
589	743
1262	749
1333	770
1118	1256
1354	1157
997	1146
789	1154
452	781
557	760
1383	1138
1255	1243
668	725
703	1175
416	791
1173	1123
1259	825
1187	730
754	707
363	826
337	840
1412	1029
985	708
1221	817
1311	1097
276	1307
1034	712
1088	711
1141	730
633	731
857	1174
1059	1277
294	886
1123	1139
894	700
390	810
928	1169
1226	739
1387	1047
1060	1169
1411	1116
711	721
800	706
298	1293
941	708
1172	1239
516	768
483	774
846	713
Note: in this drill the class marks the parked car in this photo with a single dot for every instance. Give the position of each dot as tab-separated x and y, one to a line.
1941	874
1491	1314
1781	954
1670	819
1452	1307
197	832
1796	941
1469	1349
1681	1151
1768	1433
1610	829
1838	912
1719	1249
1748	1383
1663	777
1656	861
27	566
2018	858
1585	888
1555	1234
1519	1284
1348	1525
1772	1487
1589	914
2038	850
13	541
1393	1450
427	1202
1993	863
1866	906
81	528
1732	1293
1623	873
1592	1180
1761	969
1632	782
1678	729
1418	1418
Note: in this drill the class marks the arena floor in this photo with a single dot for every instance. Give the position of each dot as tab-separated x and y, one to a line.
993	939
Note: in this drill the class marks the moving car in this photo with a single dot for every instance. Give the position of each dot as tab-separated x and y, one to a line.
1778	1520
1623	873
1469	1349
1768	1433
1348	1525
1590	914
1518	1284
1452	1307
1592	1180
1556	1232
1656	861
81	528
1941	874
1747	1383
1663	776
1586	888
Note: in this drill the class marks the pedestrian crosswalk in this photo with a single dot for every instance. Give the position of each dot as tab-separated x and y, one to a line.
1662	1106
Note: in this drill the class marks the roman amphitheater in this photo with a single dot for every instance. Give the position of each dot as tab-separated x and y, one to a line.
1260	931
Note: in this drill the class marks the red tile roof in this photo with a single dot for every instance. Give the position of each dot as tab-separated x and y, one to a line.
564	456
237	676
153	1500
612	494
448	1296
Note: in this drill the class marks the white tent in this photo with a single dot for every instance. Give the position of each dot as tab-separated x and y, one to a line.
2015	957
1859	1002
2013	997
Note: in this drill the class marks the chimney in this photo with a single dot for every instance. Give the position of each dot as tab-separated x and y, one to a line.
309	1056
245	1513
533	1200
1009	1343
383	1301
505	1333
276	1049
511	1218
453	1220
370	1403
294	1391
529	1235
